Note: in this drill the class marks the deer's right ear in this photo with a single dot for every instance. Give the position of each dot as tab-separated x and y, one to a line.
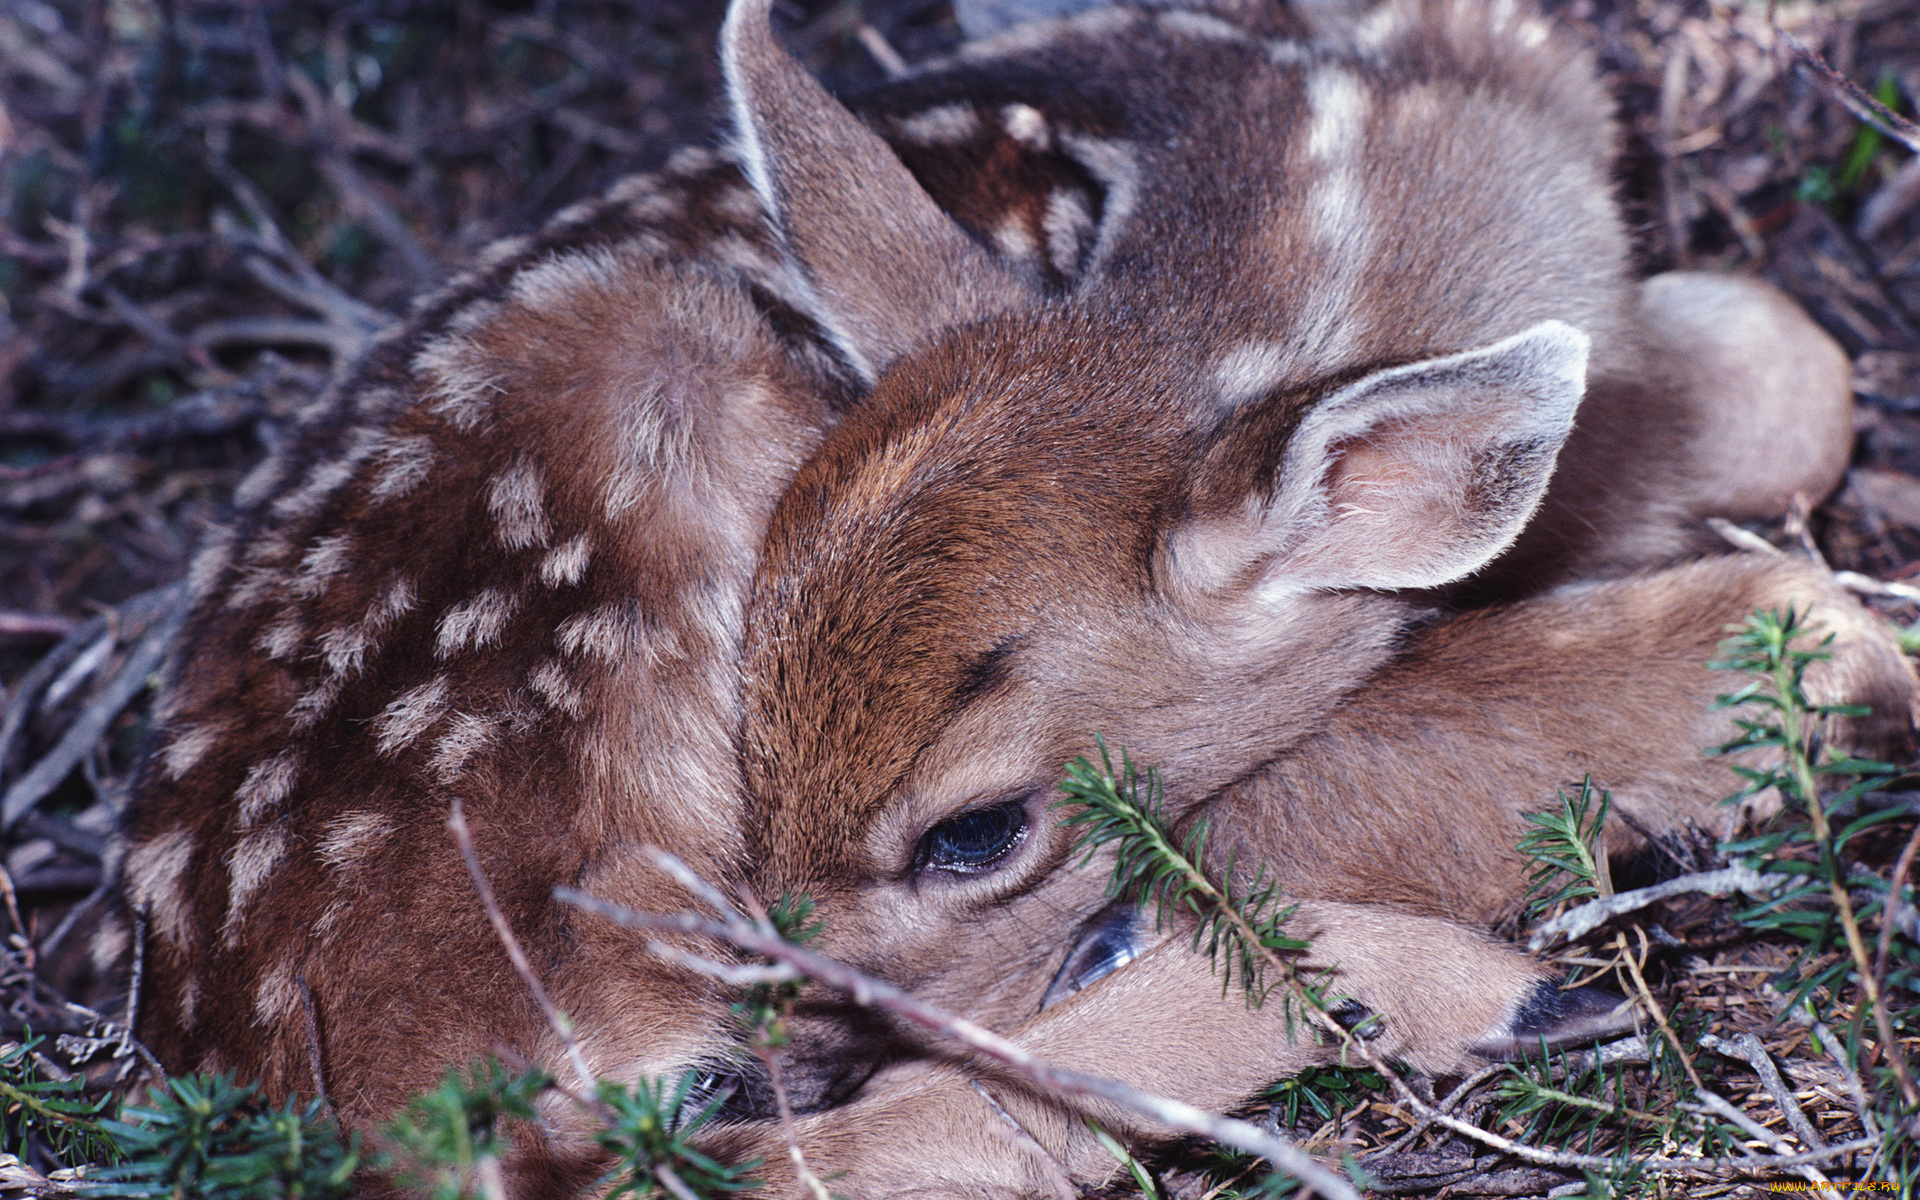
1408	478
887	267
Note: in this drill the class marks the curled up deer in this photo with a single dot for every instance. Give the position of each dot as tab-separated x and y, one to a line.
1268	391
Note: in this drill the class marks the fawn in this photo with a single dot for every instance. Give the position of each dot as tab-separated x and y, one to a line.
1319	391
541	554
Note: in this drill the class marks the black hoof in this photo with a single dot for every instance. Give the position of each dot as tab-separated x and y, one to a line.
1358	1018
1557	1018
1108	941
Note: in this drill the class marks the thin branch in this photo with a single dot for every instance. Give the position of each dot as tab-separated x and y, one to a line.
1447	1105
562	1027
1653	1006
85	733
868	992
1895	905
1855	98
1748	1049
1057	1179
1576	923
1719	1106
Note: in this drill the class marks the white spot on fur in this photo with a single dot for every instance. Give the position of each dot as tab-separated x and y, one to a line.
500	251
516	497
476	623
282	639
467	734
187	747
692	160
155	871
737	204
566	565
1337	106
253	584
1068	223
330	919
347	647
1378	28
400	464
549	681
277	998
458	384
249	865
260	482
1013	237
214	556
943	125
379	404
190	1001
558	279
110	942
607	633
315	703
327	557
404	720
1248	372
1114	165
1027	125
321	483
1201	25
267	786
1289	54
350	838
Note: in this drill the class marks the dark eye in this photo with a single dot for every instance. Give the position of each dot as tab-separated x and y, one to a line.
975	840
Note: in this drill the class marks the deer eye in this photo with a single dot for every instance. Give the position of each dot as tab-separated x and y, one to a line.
975	840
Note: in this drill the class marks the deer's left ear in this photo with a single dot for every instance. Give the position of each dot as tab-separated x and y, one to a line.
1411	477
887	268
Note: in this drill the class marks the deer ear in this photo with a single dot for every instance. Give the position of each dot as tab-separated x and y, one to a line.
1411	477
886	266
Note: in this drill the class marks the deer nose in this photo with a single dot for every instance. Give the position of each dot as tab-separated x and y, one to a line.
1107	941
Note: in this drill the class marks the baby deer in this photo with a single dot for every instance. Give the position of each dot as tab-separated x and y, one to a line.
1148	370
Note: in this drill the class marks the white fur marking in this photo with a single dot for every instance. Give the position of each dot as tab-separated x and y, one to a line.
566	565
1013	238
1026	124
214	557
400	464
187	747
315	703
516	497
277	998
350	838
1201	25
404	720
327	557
476	623
943	125
248	866
549	681
267	786
1248	372
467	734
607	633
155	871
283	639
1067	223
1338	113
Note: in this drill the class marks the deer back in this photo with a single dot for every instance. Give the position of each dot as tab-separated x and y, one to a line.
504	564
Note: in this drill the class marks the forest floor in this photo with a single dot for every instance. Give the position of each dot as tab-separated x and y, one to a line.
207	209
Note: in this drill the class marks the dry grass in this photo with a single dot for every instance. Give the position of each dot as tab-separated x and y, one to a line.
210	206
